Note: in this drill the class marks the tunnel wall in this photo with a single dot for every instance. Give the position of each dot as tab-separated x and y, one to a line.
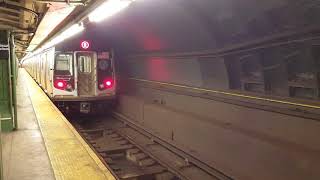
290	70
245	143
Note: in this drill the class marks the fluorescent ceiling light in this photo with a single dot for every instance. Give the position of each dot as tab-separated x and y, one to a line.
107	9
55	15
71	31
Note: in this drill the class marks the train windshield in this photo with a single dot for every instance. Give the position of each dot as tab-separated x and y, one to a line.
104	64
63	64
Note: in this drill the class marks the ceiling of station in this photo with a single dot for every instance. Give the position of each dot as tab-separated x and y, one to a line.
22	17
32	20
53	17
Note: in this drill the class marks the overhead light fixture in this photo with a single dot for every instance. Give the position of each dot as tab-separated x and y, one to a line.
71	31
107	9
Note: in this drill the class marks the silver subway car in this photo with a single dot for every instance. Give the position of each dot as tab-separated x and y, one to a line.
77	80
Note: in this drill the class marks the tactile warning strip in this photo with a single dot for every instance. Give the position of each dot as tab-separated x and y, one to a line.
70	156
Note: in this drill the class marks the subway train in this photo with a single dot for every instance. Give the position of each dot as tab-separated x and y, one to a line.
76	76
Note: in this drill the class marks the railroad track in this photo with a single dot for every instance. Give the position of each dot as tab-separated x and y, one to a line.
134	154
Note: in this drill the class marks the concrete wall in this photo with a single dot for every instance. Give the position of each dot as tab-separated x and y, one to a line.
243	142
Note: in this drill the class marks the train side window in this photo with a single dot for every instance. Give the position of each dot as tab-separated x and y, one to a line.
63	64
85	64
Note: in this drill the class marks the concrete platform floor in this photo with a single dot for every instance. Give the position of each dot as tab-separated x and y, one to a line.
24	153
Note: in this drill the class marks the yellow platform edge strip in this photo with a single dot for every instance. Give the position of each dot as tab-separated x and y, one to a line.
229	93
90	162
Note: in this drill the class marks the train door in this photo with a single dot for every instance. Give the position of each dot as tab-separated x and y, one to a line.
38	69
42	72
44	68
49	71
86	62
35	64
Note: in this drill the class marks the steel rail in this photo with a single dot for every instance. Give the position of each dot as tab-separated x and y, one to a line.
173	148
166	165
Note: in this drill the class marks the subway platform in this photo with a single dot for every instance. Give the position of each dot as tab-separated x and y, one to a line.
45	146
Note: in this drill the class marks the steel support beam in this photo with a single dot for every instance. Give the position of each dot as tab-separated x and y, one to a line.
61	1
9	12
3	19
9	17
17	7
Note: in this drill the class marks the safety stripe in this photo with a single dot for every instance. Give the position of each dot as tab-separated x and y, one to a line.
70	156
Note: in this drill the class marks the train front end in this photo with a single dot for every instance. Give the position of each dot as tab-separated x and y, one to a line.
84	80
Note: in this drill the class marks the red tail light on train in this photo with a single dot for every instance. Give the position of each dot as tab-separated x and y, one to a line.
60	84
66	84
106	84
104	70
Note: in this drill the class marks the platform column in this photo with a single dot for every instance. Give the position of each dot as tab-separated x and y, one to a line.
1	174
6	86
